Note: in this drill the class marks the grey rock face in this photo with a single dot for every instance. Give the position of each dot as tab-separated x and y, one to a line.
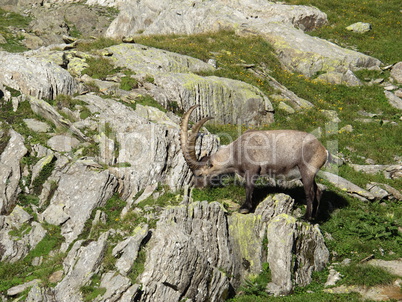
10	171
148	60
44	109
394	100
228	101
151	149
36	125
14	248
116	286
79	192
63	143
79	266
396	72
280	24
187	17
198	252
35	77
280	253
188	267
127	250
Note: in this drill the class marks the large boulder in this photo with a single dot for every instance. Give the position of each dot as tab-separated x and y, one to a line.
396	72
80	190
152	61
189	17
36	77
228	101
199	252
309	55
149	149
10	171
282	25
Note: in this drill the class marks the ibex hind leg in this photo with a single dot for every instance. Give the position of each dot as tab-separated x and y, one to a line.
317	200
310	189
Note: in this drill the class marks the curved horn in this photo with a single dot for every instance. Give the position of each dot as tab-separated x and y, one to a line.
194	135
188	144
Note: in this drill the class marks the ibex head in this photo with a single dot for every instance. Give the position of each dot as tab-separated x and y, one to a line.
200	168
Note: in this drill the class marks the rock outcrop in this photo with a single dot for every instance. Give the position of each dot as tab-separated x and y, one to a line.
214	252
78	193
10	171
84	165
282	25
228	101
35	77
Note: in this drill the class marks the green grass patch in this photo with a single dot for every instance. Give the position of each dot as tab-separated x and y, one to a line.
308	297
139	266
11	19
365	275
99	68
255	286
15	120
96	44
229	50
93	290
384	16
145	100
22	271
4	139
362	229
227	191
128	83
163	198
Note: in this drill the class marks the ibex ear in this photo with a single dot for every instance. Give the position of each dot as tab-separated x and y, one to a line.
206	161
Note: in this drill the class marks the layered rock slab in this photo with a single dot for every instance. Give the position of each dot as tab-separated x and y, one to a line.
177	84
207	252
35	77
282	25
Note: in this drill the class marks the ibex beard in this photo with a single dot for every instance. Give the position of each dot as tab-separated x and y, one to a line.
278	153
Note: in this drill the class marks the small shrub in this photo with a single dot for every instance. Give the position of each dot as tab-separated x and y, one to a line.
128	83
149	79
256	286
85	113
4	139
99	68
44	174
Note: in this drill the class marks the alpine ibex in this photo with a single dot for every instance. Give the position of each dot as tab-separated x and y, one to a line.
278	153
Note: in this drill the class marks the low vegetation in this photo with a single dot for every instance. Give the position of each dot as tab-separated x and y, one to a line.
359	230
22	271
354	229
11	25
